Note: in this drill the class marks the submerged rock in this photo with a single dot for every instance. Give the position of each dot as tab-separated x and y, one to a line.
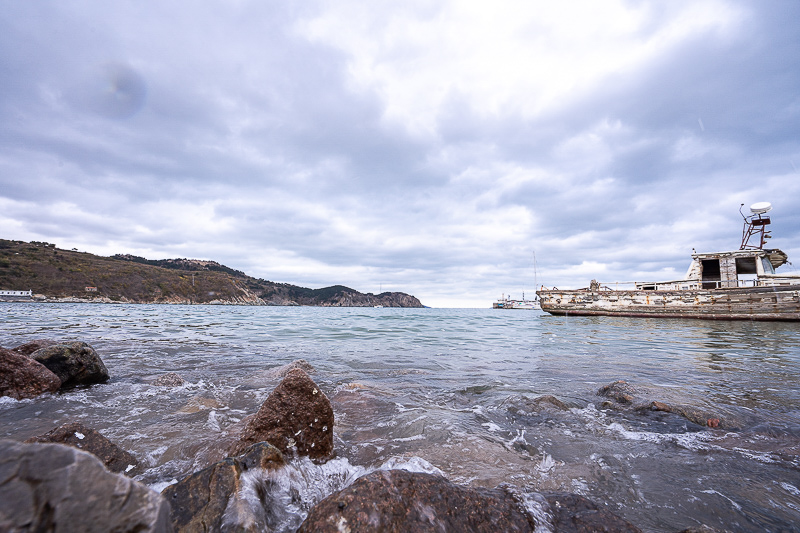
199	501
297	416
170	379
402	501
87	439
21	377
281	371
75	363
622	395
50	487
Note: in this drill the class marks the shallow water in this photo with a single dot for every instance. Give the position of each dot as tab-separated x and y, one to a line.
447	389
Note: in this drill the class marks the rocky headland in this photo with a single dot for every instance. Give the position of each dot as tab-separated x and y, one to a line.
56	275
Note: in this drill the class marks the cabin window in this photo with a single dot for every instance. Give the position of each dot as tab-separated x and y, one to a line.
768	268
711	273
746	273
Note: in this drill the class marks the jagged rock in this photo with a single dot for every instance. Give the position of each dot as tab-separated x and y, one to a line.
281	371
619	391
87	439
50	487
75	363
170	379
401	501
199	501
22	377
30	347
296	416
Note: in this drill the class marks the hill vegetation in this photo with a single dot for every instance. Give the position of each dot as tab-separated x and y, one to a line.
58	275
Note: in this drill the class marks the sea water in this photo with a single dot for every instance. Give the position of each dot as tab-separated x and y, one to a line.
449	391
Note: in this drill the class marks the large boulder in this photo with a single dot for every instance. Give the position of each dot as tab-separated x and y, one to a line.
297	416
402	501
22	377
75	363
199	501
55	488
87	439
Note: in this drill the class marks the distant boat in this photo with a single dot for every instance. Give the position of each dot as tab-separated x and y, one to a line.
508	303
736	285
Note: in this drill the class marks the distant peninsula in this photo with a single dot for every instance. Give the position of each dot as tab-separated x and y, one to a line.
56	275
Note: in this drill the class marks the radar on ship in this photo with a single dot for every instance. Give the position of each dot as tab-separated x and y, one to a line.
755	226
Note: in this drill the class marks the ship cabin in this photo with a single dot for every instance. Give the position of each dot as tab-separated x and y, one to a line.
722	270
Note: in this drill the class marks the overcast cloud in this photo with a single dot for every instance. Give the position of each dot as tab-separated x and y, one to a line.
429	147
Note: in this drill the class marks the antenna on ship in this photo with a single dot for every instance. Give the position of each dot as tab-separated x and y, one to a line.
756	225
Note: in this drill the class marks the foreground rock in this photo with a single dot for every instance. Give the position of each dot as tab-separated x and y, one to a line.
87	439
297	416
75	363
204	500
50	487
401	501
21	377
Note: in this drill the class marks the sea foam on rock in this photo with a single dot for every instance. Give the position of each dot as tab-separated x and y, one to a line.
75	363
403	501
21	377
51	487
295	417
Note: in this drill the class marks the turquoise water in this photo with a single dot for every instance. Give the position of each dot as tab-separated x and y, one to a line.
445	386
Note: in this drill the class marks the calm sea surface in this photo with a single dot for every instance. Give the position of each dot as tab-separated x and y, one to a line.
453	390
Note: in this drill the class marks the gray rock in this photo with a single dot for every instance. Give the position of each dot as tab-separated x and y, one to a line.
55	488
199	501
30	347
87	439
75	363
21	377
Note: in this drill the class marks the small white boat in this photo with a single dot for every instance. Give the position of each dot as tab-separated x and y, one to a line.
508	303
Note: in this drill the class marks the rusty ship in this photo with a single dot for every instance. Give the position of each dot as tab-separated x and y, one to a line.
736	285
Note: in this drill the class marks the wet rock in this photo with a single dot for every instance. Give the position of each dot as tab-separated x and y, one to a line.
619	391
75	363
30	347
701	529
170	379
200	500
401	501
525	406
21	377
297	416
50	487
281	371
572	513
87	439
622	395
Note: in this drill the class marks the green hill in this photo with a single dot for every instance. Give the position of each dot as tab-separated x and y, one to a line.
59	275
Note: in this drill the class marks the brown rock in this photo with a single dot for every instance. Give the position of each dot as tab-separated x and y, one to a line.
75	363
30	347
199	501
50	487
619	391
296	416
87	439
22	377
401	501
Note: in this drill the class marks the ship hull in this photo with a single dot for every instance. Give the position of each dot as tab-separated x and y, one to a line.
778	303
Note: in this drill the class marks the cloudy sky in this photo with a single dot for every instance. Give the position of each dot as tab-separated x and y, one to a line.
429	147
